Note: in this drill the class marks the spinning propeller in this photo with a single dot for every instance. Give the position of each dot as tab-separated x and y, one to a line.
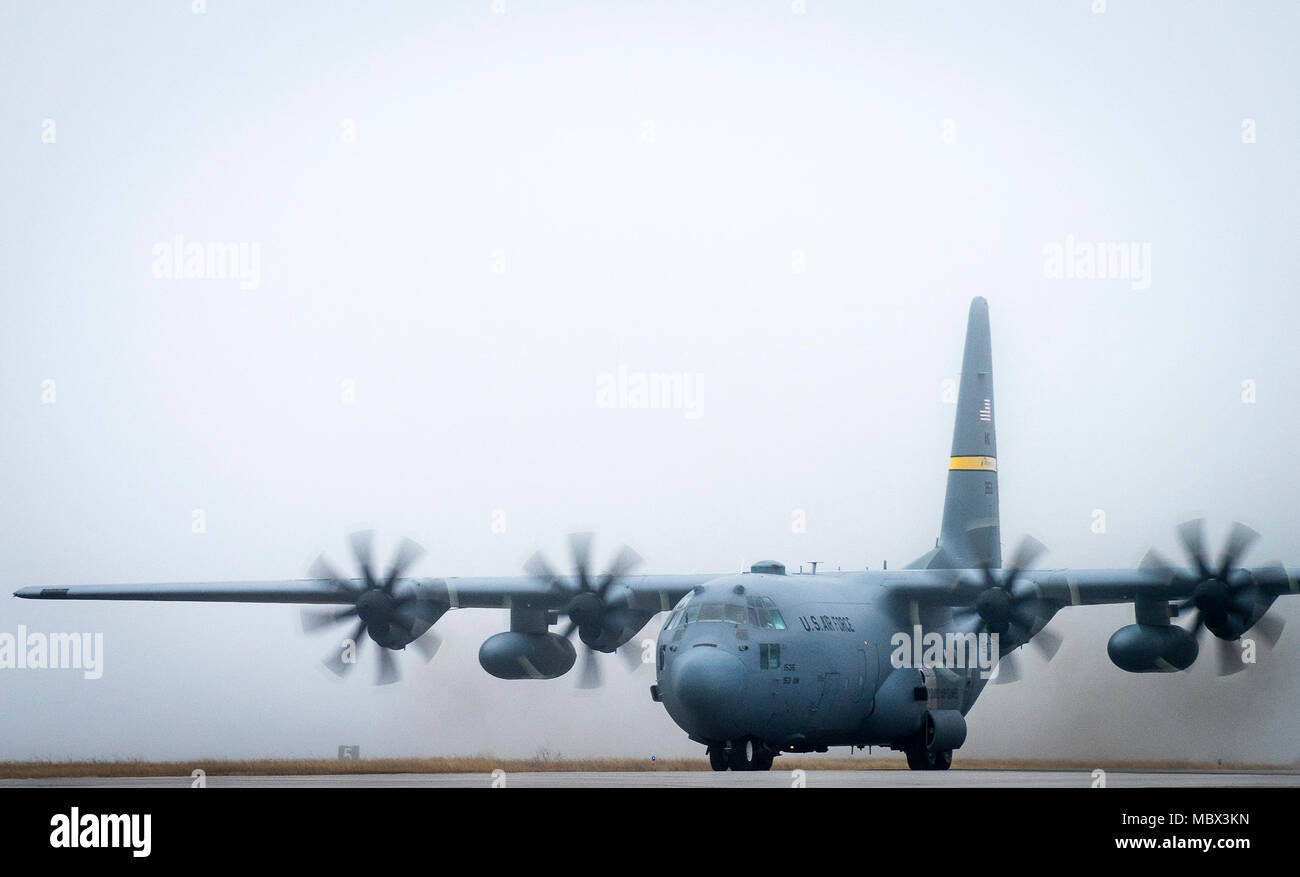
592	614
1000	607
1229	600
383	614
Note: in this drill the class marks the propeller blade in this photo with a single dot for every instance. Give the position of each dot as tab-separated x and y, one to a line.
626	561
1192	535
978	548
589	675
1022	615
428	645
335	663
361	545
1008	670
1229	657
630	652
541	571
1269	627
321	569
388	672
1239	541
1027	554
972	621
1047	642
408	552
406	618
580	546
318	619
1154	562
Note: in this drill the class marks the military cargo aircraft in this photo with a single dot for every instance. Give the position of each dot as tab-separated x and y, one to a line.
756	664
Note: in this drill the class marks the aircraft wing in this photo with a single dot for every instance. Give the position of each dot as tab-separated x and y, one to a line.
1086	587
1076	587
288	591
650	593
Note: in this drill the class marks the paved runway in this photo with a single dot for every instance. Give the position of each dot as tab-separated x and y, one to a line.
696	779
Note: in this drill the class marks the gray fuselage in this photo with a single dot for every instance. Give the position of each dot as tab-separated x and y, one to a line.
801	662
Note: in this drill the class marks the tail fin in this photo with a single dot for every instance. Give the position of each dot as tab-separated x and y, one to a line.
970	535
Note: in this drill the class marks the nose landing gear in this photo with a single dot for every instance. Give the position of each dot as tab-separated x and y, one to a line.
747	754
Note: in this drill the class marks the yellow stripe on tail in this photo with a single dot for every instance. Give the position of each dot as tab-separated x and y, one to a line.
986	464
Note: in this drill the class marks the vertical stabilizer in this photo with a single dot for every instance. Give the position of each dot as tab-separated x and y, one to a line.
970	535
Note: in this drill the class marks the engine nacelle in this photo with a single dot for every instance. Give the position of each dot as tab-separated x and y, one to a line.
513	655
618	627
1151	648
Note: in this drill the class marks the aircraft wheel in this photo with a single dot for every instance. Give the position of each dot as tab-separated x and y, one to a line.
717	758
917	758
763	759
920	758
743	754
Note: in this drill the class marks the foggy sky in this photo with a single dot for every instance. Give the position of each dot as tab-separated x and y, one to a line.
471	216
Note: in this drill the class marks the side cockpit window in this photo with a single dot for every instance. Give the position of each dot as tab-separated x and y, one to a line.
778	622
681	612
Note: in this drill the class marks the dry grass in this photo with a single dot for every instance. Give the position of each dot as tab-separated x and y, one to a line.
485	764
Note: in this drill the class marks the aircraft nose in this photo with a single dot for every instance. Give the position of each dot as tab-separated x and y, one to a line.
709	686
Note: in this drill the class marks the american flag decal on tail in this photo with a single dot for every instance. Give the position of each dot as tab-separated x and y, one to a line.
986	413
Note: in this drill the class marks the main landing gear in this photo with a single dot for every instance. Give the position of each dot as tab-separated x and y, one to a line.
920	758
747	754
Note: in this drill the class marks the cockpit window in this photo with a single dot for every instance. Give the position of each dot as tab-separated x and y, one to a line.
764	614
711	612
759	612
730	613
679	612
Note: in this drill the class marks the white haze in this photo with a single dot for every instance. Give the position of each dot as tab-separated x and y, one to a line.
651	177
